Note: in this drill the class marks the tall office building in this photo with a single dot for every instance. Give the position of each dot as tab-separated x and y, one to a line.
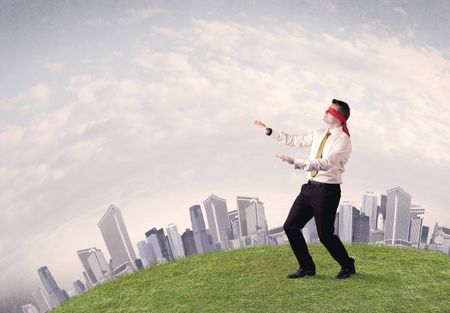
397	217
29	308
100	267
235	240
82	255
163	242
146	252
42	300
381	213
353	225
188	242
175	241
212	246
96	267
153	240
199	229
88	281
234	223
336	224
309	231
369	208
117	241
417	214
361	229
252	221
424	237
218	222
277	236
256	221
56	295
242	203
346	217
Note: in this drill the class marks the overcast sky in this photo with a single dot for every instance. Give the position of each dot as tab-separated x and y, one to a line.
150	106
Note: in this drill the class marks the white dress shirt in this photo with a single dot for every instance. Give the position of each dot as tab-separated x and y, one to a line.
335	155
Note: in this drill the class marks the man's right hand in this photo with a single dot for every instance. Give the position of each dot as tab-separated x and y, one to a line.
261	125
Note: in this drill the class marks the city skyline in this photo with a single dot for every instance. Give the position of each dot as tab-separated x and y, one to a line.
151	105
347	234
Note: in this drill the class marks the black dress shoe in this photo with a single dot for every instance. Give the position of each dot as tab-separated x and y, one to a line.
344	273
347	271
352	266
302	272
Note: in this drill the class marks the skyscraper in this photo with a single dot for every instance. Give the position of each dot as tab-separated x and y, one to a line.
146	252
199	229
309	231
152	239
235	240
175	241
256	221
99	265
369	208
381	215
252	220
163	242
188	242
88	281
397	217
346	218
117	240
218	222
416	223
56	295
83	255
42	300
353	224
242	203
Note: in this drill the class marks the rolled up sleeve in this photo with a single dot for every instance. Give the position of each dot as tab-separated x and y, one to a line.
290	140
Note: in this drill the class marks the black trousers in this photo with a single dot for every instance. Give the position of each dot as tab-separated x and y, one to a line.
320	201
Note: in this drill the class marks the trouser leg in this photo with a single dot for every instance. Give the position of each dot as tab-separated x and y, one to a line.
325	207
300	213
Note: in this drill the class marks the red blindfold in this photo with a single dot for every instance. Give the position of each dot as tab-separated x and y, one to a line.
340	117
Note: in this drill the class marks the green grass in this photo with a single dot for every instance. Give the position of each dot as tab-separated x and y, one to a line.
388	279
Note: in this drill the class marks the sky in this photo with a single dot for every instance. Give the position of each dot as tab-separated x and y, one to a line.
150	106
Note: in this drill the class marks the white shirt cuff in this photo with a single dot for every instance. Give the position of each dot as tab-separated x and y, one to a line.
299	163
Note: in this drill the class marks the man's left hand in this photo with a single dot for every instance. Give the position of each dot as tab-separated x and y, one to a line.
285	158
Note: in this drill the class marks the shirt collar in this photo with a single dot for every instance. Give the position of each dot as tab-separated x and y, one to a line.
336	130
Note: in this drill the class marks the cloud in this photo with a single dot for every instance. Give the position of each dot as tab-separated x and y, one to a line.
401	11
366	67
26	101
137	15
54	67
178	125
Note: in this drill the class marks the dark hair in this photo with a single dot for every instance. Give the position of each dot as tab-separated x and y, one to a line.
343	108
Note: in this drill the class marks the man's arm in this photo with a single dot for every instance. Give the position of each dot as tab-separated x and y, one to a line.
293	140
340	152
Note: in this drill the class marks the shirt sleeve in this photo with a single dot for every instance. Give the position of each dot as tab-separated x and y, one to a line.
304	140
339	152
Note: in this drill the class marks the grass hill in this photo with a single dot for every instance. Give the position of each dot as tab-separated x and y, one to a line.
388	279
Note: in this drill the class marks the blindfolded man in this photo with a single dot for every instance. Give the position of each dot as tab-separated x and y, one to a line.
319	197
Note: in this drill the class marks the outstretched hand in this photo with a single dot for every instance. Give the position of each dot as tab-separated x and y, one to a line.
260	125
285	158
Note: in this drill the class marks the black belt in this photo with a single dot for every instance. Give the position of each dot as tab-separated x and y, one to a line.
314	182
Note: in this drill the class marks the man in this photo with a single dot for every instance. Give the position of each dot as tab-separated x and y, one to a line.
319	197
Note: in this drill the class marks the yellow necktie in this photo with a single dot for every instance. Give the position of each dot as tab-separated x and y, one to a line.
319	152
